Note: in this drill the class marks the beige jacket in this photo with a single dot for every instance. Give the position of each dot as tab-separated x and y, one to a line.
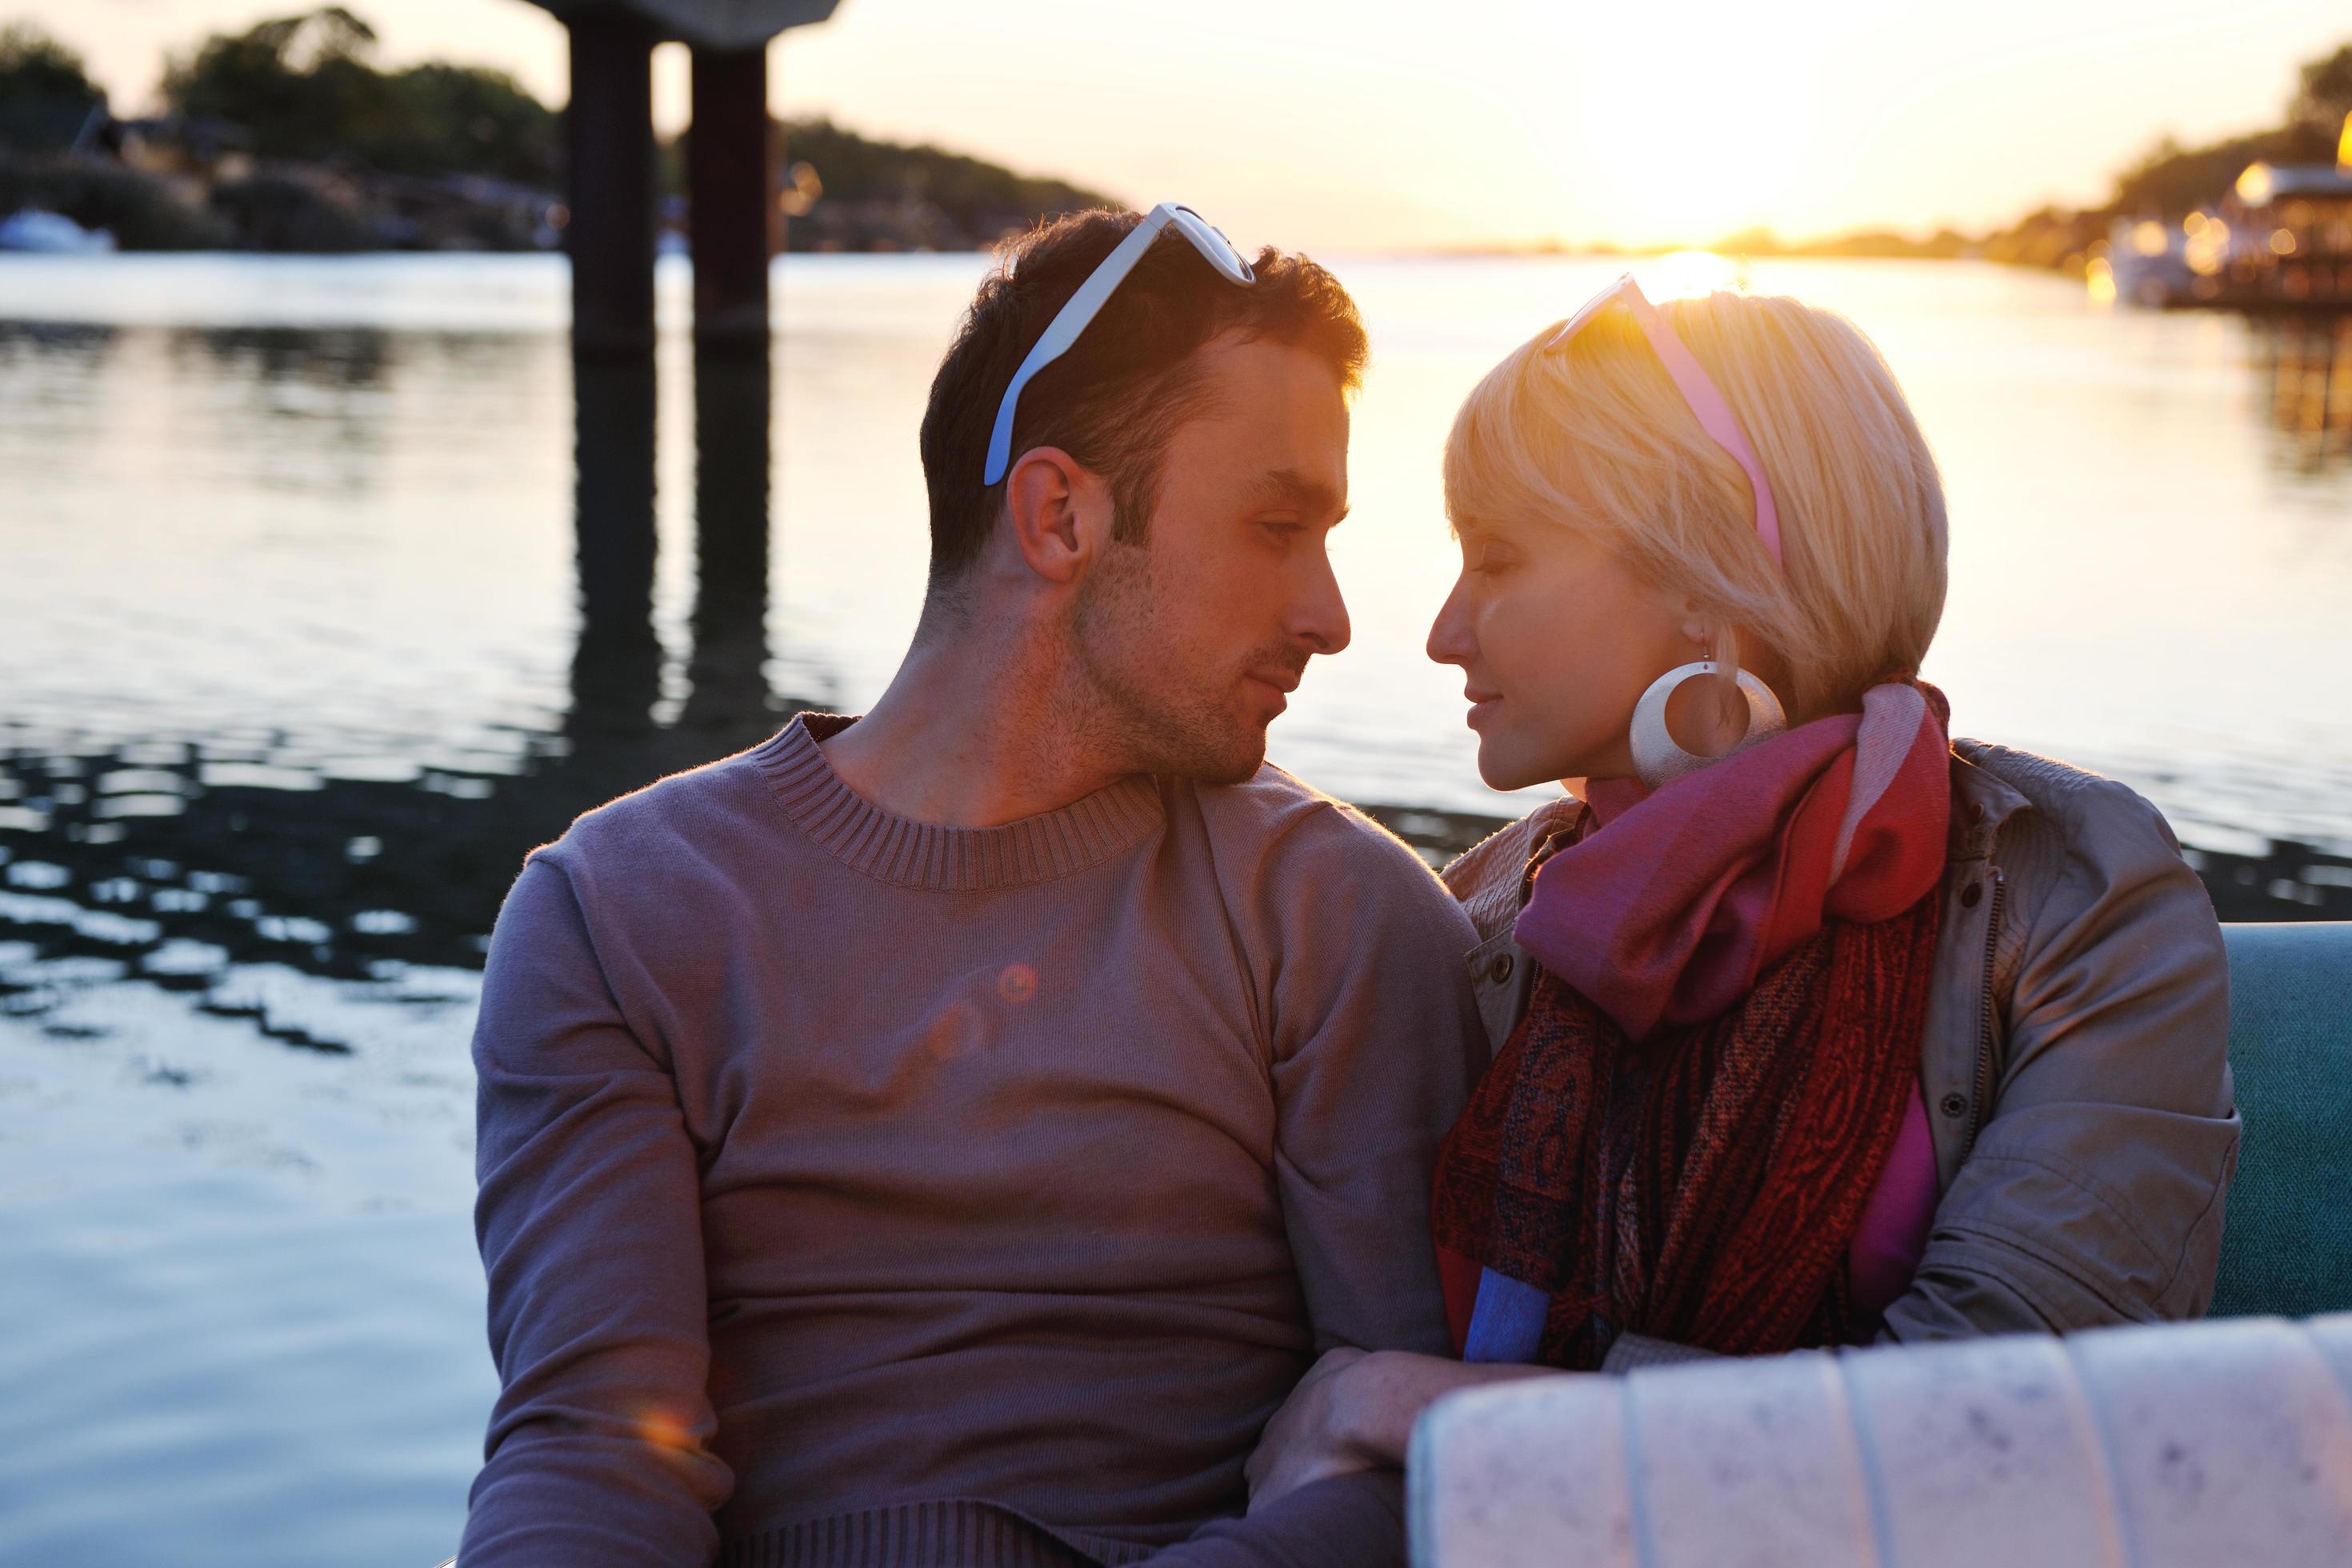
2074	1064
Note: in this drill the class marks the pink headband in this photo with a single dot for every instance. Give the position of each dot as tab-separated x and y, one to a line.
1698	391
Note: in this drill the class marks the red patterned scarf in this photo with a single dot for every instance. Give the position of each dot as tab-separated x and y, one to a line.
1681	1136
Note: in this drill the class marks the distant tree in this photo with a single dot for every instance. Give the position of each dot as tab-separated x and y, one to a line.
2170	181
470	119
301	85
2325	97
982	199
307	86
46	93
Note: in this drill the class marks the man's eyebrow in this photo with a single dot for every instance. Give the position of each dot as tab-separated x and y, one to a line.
1302	490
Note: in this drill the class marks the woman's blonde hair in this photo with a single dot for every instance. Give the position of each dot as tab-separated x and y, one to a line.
1594	436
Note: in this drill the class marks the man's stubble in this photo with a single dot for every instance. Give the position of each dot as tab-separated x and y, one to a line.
1152	701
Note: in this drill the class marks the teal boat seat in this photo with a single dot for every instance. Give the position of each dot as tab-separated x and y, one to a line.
2286	1244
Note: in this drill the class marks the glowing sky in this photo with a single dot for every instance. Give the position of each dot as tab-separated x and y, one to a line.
1360	123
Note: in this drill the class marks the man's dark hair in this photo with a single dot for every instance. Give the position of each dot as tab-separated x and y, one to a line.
1124	387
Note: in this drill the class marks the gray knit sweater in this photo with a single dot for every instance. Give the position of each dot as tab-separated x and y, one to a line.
860	1191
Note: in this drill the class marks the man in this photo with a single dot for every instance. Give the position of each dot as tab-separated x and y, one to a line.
946	1137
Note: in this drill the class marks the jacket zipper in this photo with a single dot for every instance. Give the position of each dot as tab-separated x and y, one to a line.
1983	1084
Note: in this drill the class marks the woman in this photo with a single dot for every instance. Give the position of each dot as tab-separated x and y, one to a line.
1814	1025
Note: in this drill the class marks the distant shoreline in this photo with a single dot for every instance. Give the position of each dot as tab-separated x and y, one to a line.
1379	253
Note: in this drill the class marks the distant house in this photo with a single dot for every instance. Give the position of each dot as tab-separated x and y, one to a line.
2281	238
2290	233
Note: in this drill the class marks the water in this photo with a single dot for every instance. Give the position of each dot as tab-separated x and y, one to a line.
325	593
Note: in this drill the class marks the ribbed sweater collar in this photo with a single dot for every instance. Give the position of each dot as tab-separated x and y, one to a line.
907	853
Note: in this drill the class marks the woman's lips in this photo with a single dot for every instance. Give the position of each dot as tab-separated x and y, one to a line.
1482	706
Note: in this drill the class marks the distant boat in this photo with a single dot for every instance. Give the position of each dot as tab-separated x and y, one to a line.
2148	263
52	234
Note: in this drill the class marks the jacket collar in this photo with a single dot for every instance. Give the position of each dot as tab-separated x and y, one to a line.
1981	801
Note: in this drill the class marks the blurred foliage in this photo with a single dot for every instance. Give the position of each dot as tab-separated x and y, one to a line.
46	93
138	209
2170	181
306	87
1875	244
2053	236
273	212
978	197
2325	97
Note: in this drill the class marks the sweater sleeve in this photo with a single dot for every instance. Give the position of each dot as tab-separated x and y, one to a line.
588	1217
1375	1038
1355	1520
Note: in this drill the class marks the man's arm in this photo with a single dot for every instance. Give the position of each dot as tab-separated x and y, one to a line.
1355	1520
589	1219
1374	1034
1375	1038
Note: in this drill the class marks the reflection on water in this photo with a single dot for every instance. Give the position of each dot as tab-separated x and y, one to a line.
330	589
177	884
198	851
2306	361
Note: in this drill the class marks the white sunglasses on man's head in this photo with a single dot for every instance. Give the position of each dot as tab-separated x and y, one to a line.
1073	317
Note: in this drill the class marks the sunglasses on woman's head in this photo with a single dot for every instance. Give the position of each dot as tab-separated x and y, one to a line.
1072	318
1699	393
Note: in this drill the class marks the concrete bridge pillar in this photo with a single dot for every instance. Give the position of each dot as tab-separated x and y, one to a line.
731	198
609	127
608	130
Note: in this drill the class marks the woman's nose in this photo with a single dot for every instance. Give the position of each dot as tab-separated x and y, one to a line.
1450	638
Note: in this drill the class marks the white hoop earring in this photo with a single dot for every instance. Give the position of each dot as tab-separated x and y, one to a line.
1659	760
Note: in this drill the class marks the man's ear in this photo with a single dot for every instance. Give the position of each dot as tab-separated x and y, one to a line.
1059	512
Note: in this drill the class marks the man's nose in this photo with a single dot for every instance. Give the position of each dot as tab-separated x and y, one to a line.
1450	641
1319	619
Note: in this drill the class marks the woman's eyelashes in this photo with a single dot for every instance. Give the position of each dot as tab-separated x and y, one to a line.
1490	559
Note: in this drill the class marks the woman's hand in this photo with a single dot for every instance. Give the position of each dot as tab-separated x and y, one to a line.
1309	1439
1355	1411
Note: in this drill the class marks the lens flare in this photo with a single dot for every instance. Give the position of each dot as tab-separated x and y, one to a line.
664	1430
